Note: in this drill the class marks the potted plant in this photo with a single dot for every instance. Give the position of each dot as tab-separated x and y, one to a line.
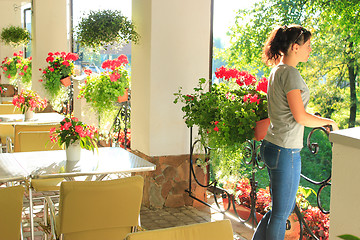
103	90
103	28
74	135
56	76
227	114
18	68
15	36
28	101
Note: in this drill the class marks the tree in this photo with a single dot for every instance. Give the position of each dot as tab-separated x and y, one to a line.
335	24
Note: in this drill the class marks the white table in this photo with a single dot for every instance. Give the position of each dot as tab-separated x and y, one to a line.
39	118
53	164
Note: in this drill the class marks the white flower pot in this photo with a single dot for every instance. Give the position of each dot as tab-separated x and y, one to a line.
73	152
29	115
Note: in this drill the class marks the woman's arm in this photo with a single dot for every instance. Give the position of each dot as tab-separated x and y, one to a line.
304	118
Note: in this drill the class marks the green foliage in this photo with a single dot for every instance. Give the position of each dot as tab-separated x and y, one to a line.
348	237
105	27
102	90
101	93
227	114
15	36
328	100
335	60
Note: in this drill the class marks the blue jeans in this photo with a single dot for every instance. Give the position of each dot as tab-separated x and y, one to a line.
284	168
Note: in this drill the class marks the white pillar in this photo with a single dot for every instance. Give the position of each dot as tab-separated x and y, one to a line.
10	14
344	210
50	21
173	51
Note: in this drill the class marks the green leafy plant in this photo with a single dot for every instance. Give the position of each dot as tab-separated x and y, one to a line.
29	100
72	130
18	67
103	28
102	90
227	114
15	36
348	237
60	65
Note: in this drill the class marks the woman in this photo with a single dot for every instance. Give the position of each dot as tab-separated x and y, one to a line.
288	97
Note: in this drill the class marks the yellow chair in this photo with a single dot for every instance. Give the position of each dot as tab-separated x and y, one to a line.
201	231
28	138
6	131
11	203
94	210
9	109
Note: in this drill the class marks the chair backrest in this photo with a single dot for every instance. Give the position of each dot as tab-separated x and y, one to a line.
6	130
11	202
201	231
9	109
28	138
100	209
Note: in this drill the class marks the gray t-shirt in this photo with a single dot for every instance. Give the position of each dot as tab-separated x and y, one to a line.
284	131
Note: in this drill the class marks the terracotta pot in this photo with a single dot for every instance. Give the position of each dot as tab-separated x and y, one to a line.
261	128
242	211
294	231
124	97
66	81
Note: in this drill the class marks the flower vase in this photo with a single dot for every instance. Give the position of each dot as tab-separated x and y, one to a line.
261	128
124	97
66	81
29	115
73	152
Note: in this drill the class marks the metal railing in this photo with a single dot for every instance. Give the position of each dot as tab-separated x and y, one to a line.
254	160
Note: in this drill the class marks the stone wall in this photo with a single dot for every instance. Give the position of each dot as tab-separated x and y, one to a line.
165	187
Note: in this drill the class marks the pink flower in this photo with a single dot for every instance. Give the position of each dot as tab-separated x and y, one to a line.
5	68
50	59
25	68
262	85
67	125
51	69
114	77
254	99
88	72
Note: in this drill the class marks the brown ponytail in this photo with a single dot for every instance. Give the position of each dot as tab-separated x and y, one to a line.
280	40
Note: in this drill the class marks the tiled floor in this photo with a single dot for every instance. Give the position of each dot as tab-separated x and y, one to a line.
150	219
